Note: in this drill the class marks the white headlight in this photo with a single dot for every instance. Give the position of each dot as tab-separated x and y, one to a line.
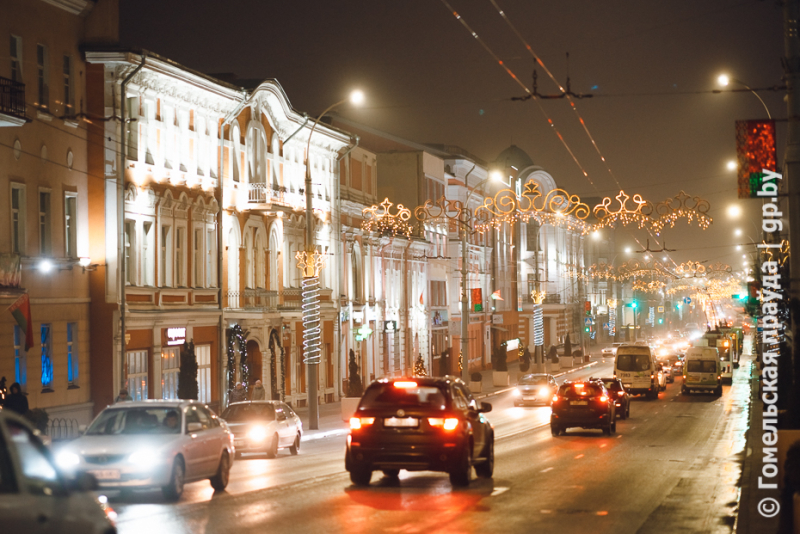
67	460
544	391
516	392
257	433
144	458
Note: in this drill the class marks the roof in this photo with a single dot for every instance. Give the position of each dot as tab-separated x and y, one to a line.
515	157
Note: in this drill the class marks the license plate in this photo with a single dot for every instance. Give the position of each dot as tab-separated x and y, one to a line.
578	403
529	397
106	474
401	422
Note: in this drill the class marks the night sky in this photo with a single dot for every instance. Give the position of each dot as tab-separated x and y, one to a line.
650	66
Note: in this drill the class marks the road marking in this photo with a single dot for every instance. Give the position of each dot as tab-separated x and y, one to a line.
546	511
579	456
546	470
498	491
603	445
602	513
619	436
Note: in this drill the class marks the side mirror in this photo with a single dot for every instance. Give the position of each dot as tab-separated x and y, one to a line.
194	427
82	482
485	407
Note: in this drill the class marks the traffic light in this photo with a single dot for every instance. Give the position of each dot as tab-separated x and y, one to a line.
633	304
586	329
660	321
678	306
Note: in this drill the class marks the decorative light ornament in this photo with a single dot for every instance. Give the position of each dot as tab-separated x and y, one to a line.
310	263
380	219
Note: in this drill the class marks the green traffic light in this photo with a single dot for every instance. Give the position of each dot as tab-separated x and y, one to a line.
661	321
633	304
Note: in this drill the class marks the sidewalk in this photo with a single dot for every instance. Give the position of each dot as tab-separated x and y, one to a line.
330	415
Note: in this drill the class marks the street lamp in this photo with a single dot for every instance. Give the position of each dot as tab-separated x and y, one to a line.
495	176
724	80
311	326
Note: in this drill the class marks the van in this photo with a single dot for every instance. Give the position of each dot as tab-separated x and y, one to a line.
635	365
702	371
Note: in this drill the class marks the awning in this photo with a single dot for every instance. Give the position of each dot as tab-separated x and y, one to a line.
500	328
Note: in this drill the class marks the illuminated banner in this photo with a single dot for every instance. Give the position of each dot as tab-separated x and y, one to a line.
756	151
477	300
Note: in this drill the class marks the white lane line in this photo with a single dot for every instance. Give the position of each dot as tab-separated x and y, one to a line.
498	491
546	470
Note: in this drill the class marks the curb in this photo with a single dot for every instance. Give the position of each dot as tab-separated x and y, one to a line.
498	392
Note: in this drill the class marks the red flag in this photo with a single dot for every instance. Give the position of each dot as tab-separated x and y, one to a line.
420	298
21	310
496	295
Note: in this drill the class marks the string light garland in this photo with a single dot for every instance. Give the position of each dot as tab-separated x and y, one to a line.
381	220
310	263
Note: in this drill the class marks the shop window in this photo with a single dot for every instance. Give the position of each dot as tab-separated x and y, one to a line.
137	374
170	369
203	353
20	359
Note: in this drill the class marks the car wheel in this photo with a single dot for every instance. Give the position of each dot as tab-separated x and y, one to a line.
624	414
614	427
607	430
461	474
684	391
272	450
220	480
173	491
719	391
295	446
391	473
485	469
360	476
555	430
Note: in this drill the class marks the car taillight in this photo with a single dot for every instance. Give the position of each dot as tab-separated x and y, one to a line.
357	422
555	398
405	385
603	399
620	393
451	423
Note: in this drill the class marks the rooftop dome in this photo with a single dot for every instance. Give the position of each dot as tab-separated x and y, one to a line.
514	156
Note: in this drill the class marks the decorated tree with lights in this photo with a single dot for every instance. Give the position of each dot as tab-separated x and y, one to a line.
419	367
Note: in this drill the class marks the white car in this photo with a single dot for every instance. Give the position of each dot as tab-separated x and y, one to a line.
263	427
153	444
34	496
611	351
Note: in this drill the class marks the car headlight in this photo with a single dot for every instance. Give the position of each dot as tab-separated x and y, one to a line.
544	392
67	460
144	458
517	392
257	433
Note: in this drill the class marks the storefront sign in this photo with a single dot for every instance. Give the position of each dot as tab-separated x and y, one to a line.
176	336
390	326
512	345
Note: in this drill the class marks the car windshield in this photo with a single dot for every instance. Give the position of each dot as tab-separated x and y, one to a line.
633	362
388	395
701	366
531	380
249	412
612	385
578	391
136	421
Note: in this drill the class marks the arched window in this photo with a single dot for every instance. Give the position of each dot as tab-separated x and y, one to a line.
235	152
249	260
256	153
233	269
260	274
274	251
276	149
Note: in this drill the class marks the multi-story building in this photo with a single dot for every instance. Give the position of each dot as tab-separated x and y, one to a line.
45	182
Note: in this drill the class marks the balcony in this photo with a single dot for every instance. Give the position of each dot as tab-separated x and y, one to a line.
253	299
263	196
12	103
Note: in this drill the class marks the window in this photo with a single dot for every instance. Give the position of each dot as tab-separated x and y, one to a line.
180	259
170	369
203	353
47	356
198	258
148	254
16	58
45	245
165	261
133	129
72	354
137	374
68	90
17	218
130	252
150	133
71	225
43	75
20	358
210	261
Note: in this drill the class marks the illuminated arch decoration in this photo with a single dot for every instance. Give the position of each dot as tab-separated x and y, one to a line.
381	220
654	286
643	269
655	217
693	209
603	271
608	218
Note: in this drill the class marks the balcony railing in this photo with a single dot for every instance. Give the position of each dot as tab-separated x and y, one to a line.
253	299
12	103
552	298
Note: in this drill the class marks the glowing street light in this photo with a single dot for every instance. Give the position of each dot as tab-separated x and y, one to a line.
732	165
734	211
724	80
737	232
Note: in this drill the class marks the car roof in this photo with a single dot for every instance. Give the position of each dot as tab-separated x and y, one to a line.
155	403
272	402
422	380
532	375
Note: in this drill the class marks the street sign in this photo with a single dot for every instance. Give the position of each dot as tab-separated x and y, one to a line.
605	326
687	300
661	309
587	321
390	326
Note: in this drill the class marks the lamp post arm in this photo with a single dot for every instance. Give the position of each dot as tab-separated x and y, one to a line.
769	115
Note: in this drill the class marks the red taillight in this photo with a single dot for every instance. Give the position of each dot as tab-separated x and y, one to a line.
451	423
620	393
555	398
603	399
357	422
405	385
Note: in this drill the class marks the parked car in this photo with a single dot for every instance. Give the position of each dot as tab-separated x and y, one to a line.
584	404
153	444
535	389
622	401
420	424
263	426
35	496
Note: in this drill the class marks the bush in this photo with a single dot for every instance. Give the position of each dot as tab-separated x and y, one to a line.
578	353
476	377
39	418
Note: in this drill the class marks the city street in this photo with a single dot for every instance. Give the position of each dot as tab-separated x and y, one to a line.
678	457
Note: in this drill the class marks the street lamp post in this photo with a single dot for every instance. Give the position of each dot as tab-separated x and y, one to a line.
464	290
311	325
724	80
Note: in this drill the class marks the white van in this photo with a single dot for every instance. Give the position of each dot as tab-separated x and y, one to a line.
635	365
702	371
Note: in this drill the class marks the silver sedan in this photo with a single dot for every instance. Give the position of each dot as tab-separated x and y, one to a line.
264	427
153	444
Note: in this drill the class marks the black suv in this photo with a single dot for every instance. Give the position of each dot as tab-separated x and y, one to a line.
585	404
622	401
420	424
